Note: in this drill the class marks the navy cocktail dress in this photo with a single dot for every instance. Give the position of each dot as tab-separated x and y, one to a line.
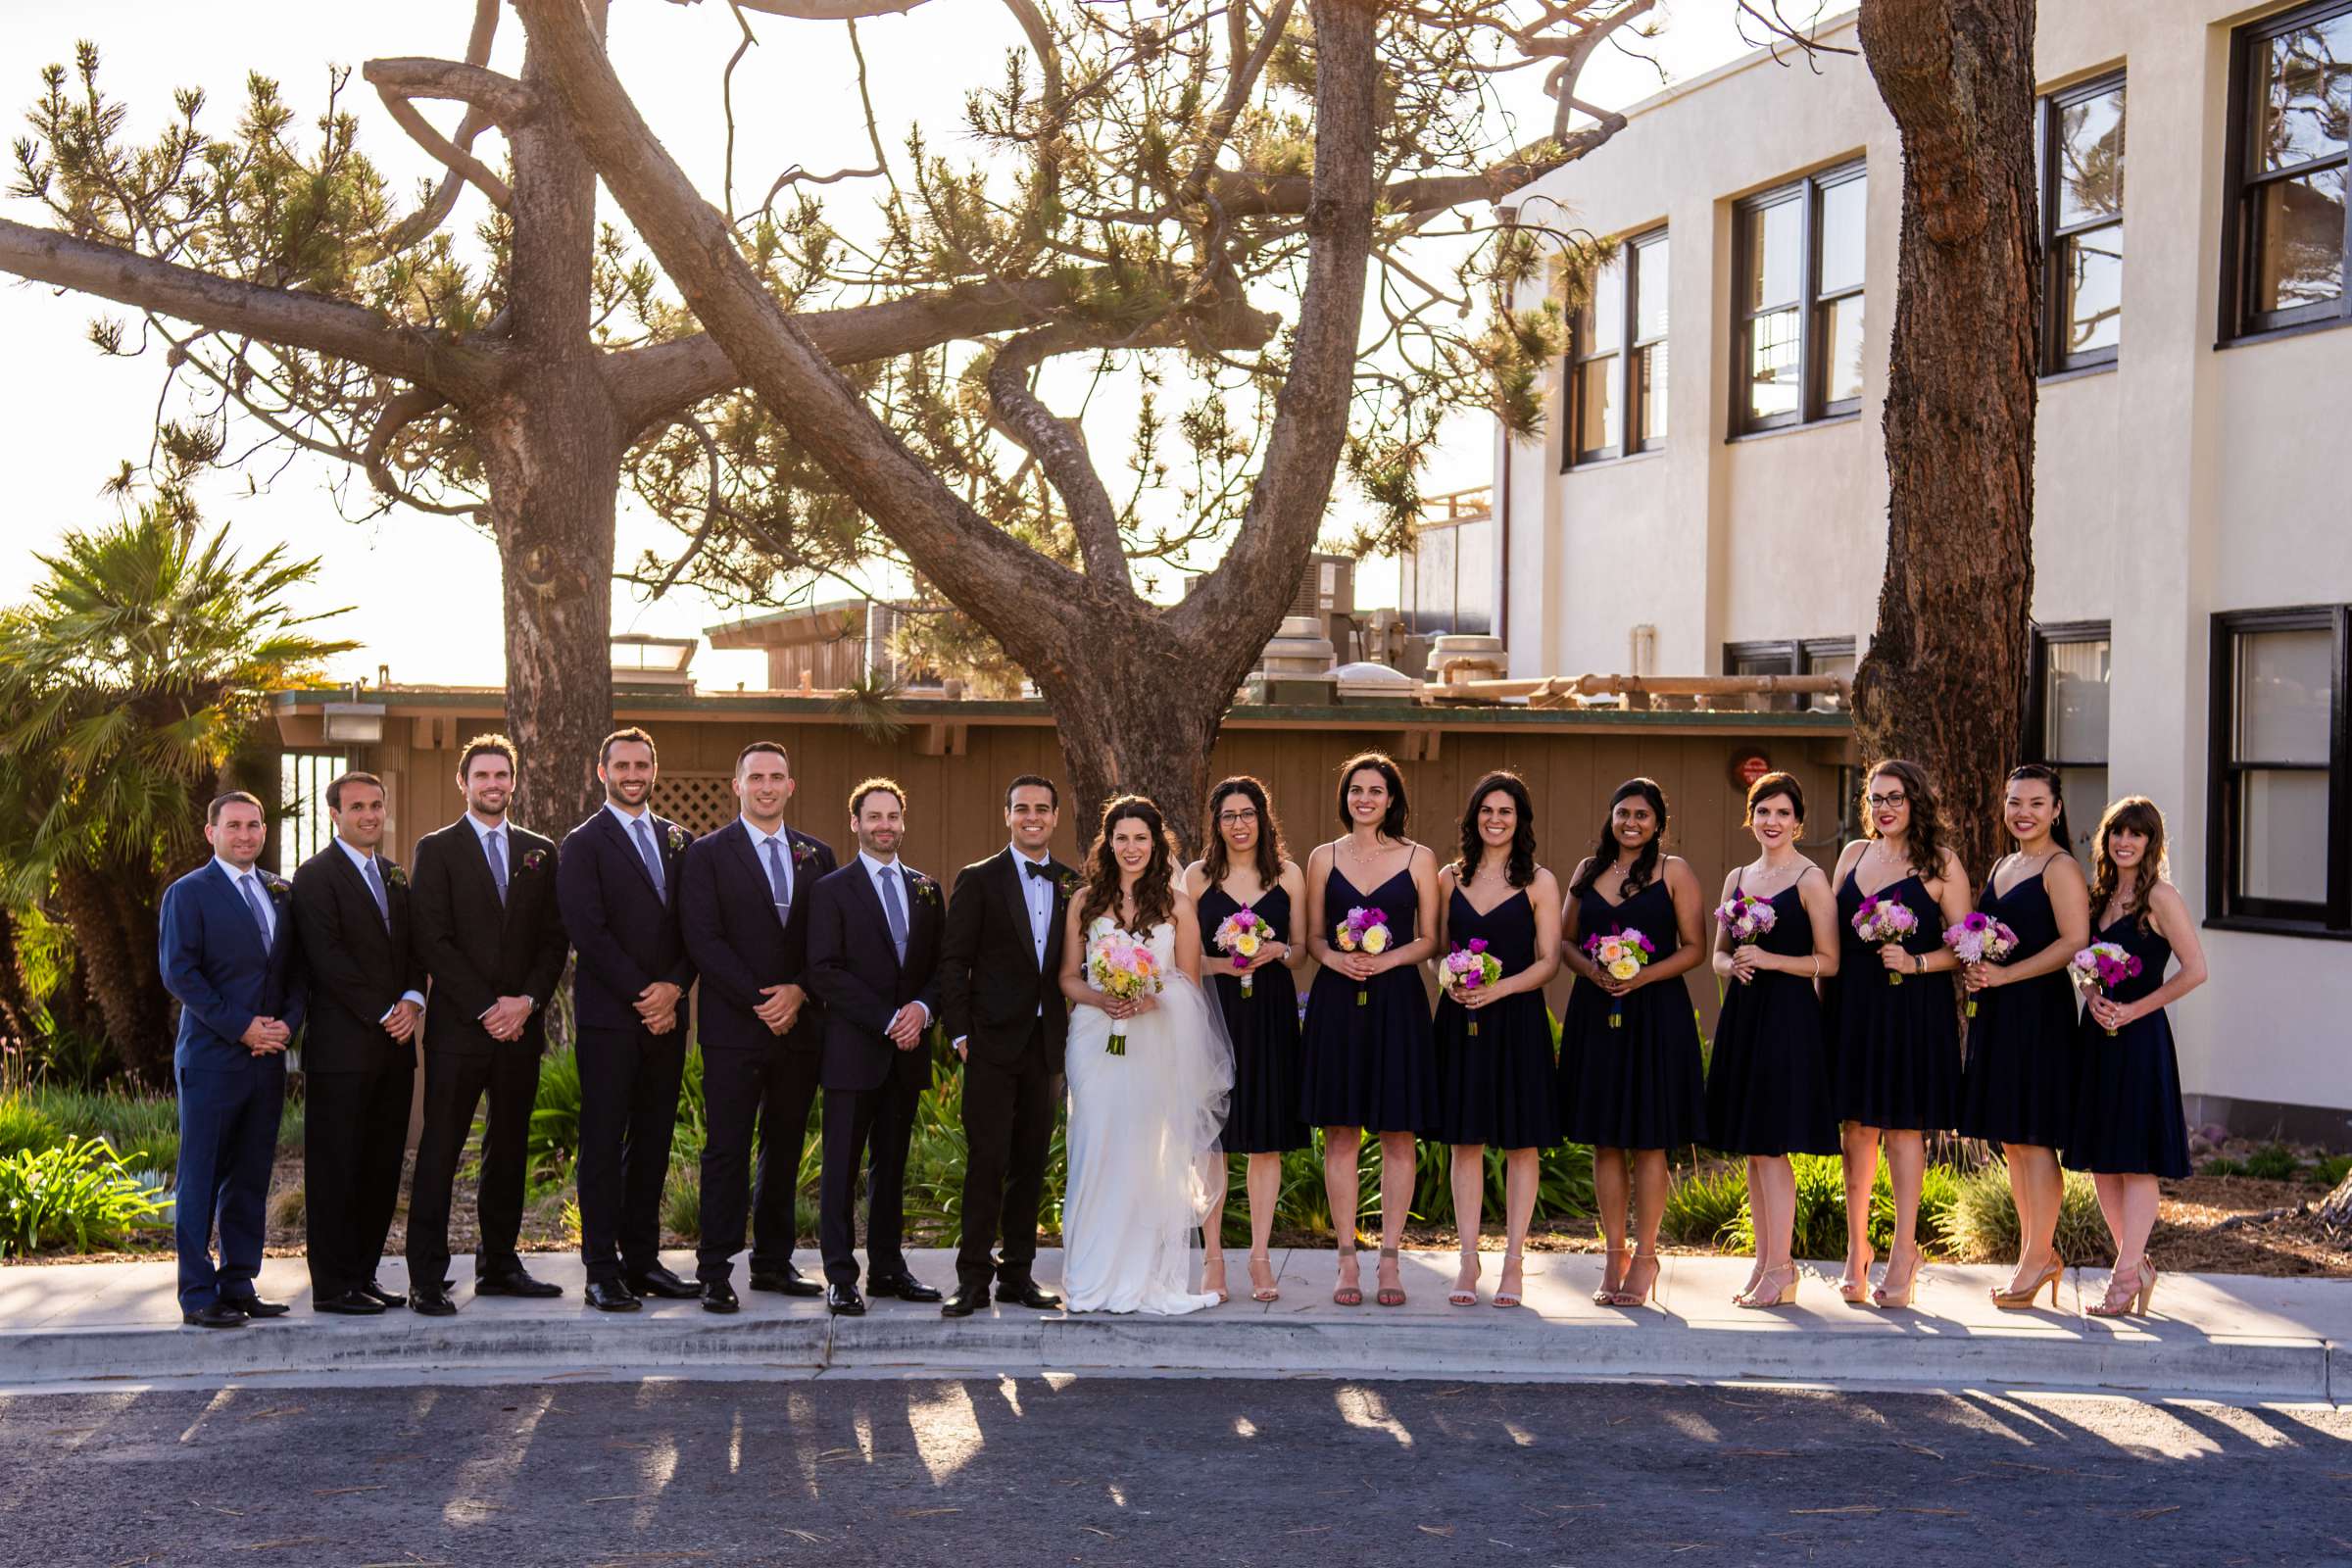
1894	1053
1640	1085
1263	1117
1768	1077
2022	1053
1370	1063
1495	1087
2127	1116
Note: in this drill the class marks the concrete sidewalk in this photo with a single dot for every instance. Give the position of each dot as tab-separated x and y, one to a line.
2227	1337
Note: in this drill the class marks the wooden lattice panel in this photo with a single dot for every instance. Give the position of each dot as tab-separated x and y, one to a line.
699	802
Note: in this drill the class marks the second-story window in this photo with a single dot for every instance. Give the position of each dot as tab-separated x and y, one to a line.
1617	356
2291	98
1797	264
2082	225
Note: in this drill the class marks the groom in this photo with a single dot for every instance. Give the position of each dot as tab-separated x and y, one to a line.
1000	982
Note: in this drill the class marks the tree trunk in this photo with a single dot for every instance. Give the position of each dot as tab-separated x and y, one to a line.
1135	718
551	447
2335	1211
16	1007
1944	682
119	977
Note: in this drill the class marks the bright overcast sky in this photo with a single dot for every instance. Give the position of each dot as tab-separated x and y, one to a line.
425	588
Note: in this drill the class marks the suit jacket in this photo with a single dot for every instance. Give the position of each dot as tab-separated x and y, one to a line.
211	958
357	969
855	970
626	938
989	982
477	948
739	948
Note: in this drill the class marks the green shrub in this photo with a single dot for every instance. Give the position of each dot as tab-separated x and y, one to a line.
289	1128
24	1126
1707	1206
2273	1162
2330	1171
1819	1227
682	1201
555	1118
2219	1166
1980	1226
72	1194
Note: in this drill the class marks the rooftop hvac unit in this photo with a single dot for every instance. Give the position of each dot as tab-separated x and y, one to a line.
1328	589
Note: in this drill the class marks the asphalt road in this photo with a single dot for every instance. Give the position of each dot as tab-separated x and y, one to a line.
1185	1472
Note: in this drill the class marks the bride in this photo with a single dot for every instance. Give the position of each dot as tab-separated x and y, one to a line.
1144	1122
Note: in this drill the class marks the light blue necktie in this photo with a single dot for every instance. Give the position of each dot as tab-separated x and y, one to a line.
253	905
894	911
494	845
777	886
650	855
376	886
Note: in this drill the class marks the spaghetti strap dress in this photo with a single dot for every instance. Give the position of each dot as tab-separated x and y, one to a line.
1768	1077
1495	1085
1638	1085
1370	1059
1894	1059
2128	1120
2023	1054
1263	1119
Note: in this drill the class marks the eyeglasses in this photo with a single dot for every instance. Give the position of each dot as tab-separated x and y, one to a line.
1881	803
1235	819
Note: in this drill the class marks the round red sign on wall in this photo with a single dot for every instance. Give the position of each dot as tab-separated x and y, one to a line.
1749	764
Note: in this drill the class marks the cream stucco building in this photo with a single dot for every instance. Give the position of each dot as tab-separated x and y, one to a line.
1710	491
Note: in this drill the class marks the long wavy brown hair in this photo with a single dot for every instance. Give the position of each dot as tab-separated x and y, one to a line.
1926	842
2135	814
1268	853
1155	890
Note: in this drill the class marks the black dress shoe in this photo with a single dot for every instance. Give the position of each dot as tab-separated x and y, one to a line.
608	1295
515	1282
789	1281
659	1281
255	1306
350	1303
967	1299
843	1300
219	1315
906	1286
428	1302
1025	1293
720	1297
381	1297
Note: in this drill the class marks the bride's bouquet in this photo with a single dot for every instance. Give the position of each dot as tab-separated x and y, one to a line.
1364	931
1620	956
1120	965
1240	937
1884	920
1469	967
1979	939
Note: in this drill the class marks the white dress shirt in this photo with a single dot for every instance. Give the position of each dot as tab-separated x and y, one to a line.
358	860
483	832
1037	896
760	841
875	871
261	889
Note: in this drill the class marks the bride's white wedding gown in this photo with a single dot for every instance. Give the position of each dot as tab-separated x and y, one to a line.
1142	1148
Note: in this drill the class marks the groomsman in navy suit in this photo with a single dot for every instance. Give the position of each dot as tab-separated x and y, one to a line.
490	937
359	1056
229	956
873	960
743	902
617	881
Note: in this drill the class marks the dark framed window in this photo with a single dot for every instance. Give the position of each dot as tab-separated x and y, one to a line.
2066	719
2082	138
1809	656
302	828
1617	356
1796	267
2280	813
2290	94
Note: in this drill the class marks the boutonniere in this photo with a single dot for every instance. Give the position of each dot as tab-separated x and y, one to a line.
531	859
677	839
926	891
802	852
393	876
278	888
1068	885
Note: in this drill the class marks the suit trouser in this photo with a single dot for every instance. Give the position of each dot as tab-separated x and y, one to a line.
878	1122
628	1110
454	1085
1007	1133
355	1126
227	1144
774	1087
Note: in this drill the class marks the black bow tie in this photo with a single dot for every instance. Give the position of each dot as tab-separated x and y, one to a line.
1044	873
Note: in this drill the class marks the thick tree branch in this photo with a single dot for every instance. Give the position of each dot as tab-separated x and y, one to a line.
489	97
273	315
402	410
1060	451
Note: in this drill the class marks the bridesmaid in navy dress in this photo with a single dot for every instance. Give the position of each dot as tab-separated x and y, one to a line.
1894	1058
1371	1065
1635	1088
1768	1081
2019	1085
1495	1085
1245	869
2127	1125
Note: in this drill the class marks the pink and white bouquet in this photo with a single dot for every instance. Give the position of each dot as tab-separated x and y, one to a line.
2101	967
1466	969
1884	920
1364	931
1979	939
1120	965
1620	955
1745	916
1240	937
